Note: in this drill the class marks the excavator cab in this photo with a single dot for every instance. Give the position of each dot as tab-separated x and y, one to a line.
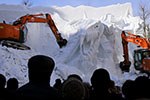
142	60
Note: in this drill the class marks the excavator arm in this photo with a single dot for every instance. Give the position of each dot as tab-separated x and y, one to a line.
38	19
126	63
61	42
141	42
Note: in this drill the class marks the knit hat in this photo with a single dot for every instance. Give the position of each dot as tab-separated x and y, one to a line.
73	89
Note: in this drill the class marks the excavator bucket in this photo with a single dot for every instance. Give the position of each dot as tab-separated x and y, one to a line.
125	67
62	42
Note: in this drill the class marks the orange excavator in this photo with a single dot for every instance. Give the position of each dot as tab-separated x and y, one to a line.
141	56
14	35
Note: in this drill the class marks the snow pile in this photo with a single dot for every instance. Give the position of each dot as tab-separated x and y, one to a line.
93	34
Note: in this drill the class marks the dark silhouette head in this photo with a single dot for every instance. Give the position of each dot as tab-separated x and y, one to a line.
75	76
100	79
142	84
2	81
40	68
73	89
57	84
58	81
12	84
128	89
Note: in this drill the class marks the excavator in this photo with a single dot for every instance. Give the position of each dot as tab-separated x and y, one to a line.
14	35
141	56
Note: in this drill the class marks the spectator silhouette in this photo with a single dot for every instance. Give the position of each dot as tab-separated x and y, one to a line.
3	91
115	89
85	84
87	89
40	68
136	89
73	88
101	83
2	81
12	86
57	84
128	89
75	76
142	86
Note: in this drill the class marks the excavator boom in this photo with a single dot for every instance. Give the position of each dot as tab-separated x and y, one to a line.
142	42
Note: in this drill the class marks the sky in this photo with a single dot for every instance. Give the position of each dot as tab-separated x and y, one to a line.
74	3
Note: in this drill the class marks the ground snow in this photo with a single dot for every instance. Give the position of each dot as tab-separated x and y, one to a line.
94	41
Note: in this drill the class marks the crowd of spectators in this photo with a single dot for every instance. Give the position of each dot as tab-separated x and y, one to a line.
101	87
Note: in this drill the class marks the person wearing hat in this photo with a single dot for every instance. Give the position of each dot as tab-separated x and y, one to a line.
40	68
73	88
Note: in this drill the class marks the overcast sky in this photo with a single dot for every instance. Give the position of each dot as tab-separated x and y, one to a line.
95	3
